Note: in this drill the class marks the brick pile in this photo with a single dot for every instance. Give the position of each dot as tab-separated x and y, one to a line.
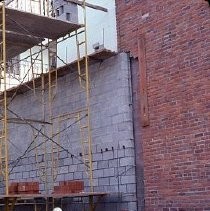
66	187
24	188
13	188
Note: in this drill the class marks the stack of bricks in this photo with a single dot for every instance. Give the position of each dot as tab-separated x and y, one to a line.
24	188
28	187
13	188
66	187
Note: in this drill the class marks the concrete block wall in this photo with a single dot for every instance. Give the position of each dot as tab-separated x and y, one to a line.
112	134
138	133
65	11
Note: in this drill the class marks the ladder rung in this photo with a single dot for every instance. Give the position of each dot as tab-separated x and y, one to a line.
85	126
37	60
81	43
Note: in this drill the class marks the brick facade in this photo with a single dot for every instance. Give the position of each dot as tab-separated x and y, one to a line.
176	144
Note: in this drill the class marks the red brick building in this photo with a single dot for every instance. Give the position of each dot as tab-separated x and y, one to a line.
176	144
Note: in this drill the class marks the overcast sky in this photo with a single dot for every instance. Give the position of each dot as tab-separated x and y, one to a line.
100	25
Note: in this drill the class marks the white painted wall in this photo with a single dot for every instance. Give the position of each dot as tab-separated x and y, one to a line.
97	21
101	27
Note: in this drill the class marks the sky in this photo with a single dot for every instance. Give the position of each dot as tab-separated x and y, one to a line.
101	27
99	20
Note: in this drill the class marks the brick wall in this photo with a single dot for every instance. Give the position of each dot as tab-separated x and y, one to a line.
112	133
176	144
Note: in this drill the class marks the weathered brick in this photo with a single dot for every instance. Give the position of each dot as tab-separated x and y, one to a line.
177	67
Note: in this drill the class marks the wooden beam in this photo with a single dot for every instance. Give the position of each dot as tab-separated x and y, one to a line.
96	7
143	81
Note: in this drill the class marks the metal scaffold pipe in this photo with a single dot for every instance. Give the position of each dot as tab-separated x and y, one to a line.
4	138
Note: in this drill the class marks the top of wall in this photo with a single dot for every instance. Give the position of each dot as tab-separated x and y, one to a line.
98	56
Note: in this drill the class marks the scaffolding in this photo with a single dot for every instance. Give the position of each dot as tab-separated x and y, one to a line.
4	133
46	138
41	7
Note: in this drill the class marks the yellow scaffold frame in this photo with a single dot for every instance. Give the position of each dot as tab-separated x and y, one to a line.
4	124
48	84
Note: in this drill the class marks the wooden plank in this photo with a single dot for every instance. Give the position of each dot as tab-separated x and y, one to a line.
143	81
79	3
70	195
37	25
88	5
17	43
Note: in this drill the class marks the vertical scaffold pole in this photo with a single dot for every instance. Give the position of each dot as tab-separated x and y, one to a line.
88	100
84	81
5	145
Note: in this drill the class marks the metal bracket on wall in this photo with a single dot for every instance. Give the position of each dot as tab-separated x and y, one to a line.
143	81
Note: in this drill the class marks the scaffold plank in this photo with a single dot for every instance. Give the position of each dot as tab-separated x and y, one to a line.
25	30
37	25
18	43
72	195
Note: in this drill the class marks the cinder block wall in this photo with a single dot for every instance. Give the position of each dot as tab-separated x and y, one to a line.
137	133
176	144
112	133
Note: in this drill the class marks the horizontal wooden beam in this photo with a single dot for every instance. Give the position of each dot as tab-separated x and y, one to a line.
96	7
